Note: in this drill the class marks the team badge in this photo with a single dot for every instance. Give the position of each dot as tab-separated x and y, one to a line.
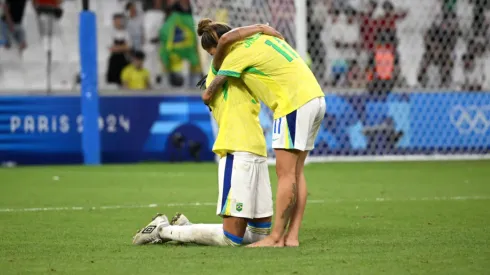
239	207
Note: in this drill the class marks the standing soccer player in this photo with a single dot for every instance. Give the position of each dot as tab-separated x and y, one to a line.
245	195
275	73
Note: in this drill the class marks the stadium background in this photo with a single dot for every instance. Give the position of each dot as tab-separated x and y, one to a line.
385	217
411	118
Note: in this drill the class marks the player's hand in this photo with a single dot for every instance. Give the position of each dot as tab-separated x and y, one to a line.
206	98
268	30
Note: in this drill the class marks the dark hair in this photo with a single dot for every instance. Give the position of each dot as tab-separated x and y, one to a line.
139	55
129	5
117	16
387	5
211	32
373	3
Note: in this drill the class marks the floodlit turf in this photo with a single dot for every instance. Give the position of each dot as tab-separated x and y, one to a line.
365	218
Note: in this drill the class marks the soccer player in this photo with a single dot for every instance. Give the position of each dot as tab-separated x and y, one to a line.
276	75
245	195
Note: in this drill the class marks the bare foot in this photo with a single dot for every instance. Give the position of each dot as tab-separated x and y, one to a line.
280	243
291	243
267	242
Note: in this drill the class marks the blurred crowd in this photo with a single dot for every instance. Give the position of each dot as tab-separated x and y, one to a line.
363	45
176	40
12	32
351	43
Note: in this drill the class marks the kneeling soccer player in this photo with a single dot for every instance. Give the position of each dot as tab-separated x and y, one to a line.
245	195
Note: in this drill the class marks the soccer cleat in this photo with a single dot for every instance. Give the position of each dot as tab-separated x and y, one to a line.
150	233
179	219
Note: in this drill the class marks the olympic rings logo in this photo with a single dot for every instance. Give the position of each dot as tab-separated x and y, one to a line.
470	119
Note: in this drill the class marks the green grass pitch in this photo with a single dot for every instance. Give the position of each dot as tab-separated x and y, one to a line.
363	218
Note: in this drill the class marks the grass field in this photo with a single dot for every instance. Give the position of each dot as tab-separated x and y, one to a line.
363	218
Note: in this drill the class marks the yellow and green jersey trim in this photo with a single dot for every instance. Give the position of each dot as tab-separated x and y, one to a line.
230	73
251	70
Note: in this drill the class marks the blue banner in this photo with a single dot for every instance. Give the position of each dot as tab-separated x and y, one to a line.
42	130
416	123
45	130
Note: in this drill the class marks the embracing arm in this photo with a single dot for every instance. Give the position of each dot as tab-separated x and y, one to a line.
213	88
236	35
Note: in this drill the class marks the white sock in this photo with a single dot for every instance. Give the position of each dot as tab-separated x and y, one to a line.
206	234
252	237
256	232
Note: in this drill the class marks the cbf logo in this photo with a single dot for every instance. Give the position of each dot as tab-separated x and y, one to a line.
239	207
470	119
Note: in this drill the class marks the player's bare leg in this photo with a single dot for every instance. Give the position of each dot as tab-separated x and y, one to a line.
286	196
292	236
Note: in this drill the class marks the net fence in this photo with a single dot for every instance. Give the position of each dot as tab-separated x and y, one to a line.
280	14
401	78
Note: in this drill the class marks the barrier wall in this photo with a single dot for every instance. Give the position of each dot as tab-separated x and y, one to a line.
42	130
46	130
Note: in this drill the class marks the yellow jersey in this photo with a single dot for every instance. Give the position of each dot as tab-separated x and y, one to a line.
273	71
136	79
236	112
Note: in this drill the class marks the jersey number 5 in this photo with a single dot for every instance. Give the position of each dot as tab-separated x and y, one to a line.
284	50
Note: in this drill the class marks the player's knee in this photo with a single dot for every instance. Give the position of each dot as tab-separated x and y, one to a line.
231	239
284	175
286	162
285	170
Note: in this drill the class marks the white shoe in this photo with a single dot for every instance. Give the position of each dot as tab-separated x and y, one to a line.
150	233
179	219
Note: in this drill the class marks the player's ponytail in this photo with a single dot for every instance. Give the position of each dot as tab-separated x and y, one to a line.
211	32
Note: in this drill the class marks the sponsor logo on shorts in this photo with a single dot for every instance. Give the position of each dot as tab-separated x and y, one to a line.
149	229
239	207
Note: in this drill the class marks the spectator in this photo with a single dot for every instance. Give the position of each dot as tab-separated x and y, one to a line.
474	76
11	23
3	27
369	27
135	27
355	76
449	5
388	22
316	47
178	42
121	45
52	7
135	76
440	41
479	25
345	35
48	12
383	66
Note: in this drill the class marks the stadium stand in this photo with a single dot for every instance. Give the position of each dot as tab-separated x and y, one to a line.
29	70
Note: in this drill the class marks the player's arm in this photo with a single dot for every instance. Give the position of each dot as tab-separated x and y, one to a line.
235	63
213	88
239	34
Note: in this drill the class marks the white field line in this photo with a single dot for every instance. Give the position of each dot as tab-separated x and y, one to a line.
199	204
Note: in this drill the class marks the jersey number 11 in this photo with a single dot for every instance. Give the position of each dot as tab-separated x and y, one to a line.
284	50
